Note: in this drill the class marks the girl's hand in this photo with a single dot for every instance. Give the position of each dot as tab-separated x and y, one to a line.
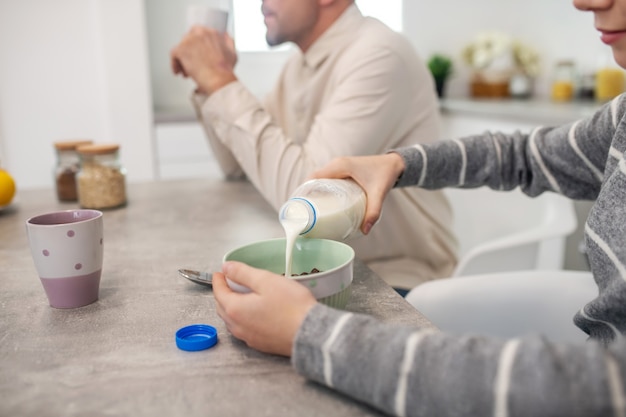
375	174
268	317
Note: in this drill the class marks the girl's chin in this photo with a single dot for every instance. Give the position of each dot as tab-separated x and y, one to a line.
619	54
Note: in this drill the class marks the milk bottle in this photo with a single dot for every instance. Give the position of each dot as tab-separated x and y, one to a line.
326	208
322	208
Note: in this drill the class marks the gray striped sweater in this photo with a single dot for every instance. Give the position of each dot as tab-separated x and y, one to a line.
408	371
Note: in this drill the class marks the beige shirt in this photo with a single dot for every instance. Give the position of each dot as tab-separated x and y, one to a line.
359	90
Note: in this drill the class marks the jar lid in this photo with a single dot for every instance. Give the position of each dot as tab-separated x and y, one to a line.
70	145
98	149
565	63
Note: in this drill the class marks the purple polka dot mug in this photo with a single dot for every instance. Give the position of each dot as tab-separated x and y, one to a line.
67	249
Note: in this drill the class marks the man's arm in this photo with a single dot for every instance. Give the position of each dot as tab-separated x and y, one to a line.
369	98
225	159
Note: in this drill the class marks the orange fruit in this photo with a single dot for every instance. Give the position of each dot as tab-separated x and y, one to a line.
7	188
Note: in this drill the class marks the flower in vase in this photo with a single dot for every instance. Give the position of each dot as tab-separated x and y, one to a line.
496	56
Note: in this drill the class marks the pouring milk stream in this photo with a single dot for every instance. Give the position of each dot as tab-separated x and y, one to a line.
322	208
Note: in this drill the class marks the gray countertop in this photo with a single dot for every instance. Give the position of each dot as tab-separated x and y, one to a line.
118	357
535	110
175	115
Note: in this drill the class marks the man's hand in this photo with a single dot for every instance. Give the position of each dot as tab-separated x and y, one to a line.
206	56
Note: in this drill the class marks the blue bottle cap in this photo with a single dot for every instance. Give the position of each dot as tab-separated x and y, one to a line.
196	337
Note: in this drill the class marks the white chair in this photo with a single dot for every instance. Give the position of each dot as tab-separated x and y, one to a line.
509	231
508	304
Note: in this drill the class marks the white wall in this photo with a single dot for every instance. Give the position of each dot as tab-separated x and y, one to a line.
50	81
126	84
72	69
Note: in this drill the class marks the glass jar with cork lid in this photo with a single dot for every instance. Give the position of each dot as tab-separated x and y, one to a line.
563	83
610	79
67	166
102	178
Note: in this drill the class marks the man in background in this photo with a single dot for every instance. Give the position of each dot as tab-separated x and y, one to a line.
354	87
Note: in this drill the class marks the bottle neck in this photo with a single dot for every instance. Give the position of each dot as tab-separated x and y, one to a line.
298	212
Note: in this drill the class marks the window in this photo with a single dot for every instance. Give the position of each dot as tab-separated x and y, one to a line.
250	30
387	11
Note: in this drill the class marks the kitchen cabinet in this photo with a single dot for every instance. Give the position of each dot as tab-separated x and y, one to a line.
182	151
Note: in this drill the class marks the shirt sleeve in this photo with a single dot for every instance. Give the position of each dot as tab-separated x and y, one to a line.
411	372
568	160
369	96
225	159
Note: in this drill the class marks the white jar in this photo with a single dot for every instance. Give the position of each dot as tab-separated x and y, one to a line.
327	209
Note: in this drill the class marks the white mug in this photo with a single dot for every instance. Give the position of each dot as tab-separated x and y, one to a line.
213	16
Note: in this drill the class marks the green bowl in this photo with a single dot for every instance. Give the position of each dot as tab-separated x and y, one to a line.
331	286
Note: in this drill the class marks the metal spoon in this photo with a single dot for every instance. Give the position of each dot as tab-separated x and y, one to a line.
202	278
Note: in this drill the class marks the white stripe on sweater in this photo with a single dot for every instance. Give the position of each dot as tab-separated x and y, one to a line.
461	146
496	145
424	164
614	104
609	325
571	138
616	154
606	249
615	386
407	363
542	165
328	365
503	379
622	166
